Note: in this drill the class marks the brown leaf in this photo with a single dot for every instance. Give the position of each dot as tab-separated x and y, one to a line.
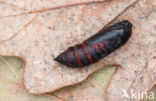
47	34
138	72
11	82
92	89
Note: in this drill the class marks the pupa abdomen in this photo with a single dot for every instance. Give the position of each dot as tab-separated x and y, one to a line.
97	46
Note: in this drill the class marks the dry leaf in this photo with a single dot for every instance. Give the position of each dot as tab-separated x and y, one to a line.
138	72
92	89
152	91
38	40
12	88
11	82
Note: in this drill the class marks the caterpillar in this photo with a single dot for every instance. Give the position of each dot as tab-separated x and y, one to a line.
97	46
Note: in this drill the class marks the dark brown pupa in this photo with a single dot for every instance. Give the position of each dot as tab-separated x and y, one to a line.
97	46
